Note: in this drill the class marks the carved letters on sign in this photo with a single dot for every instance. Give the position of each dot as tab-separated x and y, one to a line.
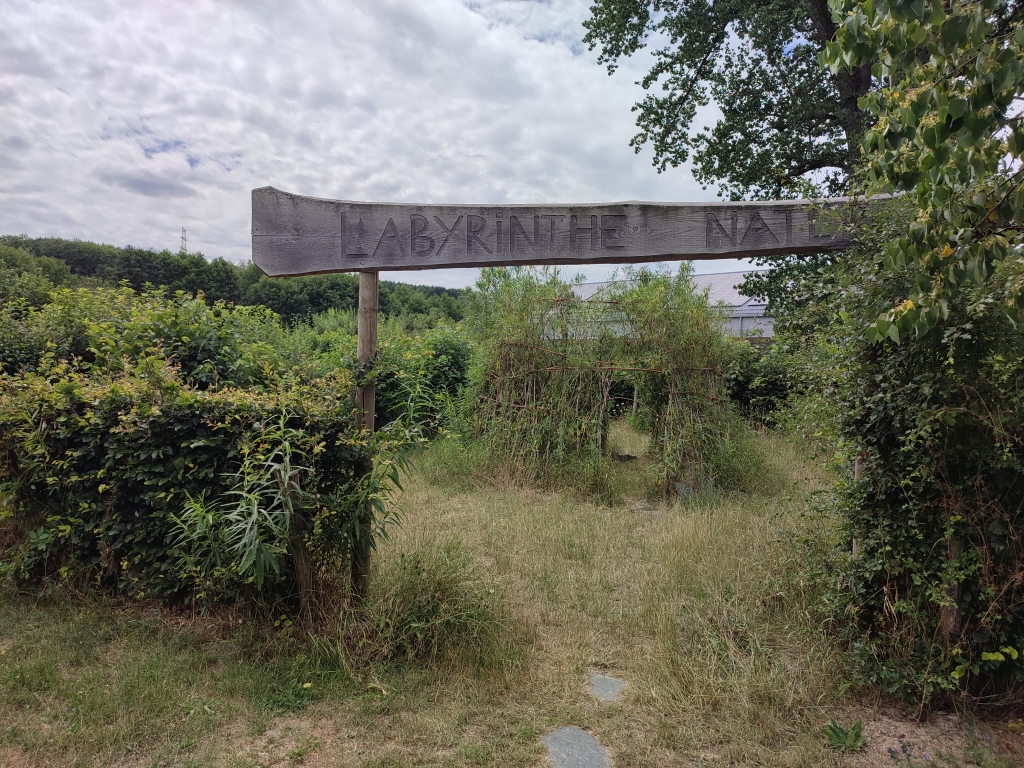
295	235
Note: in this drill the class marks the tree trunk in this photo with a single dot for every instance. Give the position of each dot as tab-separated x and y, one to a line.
300	550
851	85
359	584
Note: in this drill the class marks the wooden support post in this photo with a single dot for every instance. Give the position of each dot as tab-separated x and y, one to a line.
366	348
366	345
300	550
857	469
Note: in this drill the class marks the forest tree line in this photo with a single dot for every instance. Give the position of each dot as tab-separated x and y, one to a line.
293	298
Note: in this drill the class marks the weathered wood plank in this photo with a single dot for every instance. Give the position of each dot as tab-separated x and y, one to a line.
296	235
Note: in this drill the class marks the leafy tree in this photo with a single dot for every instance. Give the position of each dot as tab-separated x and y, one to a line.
798	289
949	134
918	351
784	120
946	133
83	258
20	261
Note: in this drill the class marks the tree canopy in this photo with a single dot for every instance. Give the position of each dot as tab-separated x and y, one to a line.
785	121
949	134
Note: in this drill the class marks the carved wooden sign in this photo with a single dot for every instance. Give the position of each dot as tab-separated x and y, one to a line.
296	235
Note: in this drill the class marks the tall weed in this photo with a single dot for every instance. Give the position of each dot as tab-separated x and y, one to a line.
433	605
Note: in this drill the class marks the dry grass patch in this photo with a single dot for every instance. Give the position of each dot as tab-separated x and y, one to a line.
667	597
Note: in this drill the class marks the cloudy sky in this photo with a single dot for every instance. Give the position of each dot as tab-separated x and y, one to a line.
121	121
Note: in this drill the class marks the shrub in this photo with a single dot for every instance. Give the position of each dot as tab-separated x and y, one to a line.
548	363
938	422
212	345
429	368
758	380
932	602
423	369
156	446
433	605
100	472
931	390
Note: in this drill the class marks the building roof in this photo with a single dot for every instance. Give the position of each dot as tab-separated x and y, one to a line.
721	287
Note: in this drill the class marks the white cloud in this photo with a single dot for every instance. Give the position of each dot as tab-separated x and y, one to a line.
122	122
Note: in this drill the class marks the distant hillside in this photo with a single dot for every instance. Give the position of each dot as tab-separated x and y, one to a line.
293	298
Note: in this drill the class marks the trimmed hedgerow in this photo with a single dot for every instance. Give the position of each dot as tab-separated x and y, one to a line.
100	471
158	446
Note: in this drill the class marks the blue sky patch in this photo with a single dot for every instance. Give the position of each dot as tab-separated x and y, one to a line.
163	146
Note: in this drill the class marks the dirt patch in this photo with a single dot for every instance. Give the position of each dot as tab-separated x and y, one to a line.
942	734
311	741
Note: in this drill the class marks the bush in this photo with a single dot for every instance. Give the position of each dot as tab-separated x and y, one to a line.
428	369
161	445
758	380
932	602
101	471
420	371
931	391
212	345
432	605
156	446
938	516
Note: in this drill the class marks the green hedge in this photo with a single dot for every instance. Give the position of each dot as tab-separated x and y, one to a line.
161	446
98	470
426	370
938	515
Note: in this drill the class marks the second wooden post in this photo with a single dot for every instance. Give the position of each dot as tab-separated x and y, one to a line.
366	348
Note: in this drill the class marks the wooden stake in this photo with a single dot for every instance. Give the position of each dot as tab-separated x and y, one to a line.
366	348
366	345
857	469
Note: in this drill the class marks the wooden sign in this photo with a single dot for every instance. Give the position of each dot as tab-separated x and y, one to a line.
296	235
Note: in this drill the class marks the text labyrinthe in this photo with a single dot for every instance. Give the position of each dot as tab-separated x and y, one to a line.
296	235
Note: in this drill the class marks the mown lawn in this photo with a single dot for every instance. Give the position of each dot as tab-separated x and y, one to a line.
695	607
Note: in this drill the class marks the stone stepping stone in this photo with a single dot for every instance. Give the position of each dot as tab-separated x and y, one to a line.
573	747
606	688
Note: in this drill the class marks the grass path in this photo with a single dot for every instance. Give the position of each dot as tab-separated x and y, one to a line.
684	604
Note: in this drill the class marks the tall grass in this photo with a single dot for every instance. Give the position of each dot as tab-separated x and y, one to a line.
740	462
677	597
433	605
